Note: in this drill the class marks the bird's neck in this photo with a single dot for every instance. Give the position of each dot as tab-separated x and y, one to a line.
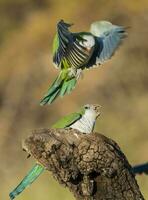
86	123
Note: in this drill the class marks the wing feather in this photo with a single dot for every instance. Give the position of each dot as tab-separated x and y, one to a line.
69	47
108	37
67	120
64	38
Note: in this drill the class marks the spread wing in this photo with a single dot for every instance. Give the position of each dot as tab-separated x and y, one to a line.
67	47
108	38
61	41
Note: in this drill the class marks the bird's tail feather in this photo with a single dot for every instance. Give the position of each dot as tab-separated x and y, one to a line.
28	180
140	169
68	86
60	87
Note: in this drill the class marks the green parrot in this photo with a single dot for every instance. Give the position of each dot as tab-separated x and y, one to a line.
74	52
83	120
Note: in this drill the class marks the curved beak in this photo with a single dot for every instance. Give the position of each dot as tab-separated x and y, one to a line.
97	108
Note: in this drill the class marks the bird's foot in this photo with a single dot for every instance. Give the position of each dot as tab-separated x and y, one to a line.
76	73
72	72
79	74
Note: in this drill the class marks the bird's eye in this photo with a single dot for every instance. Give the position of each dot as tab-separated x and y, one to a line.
86	107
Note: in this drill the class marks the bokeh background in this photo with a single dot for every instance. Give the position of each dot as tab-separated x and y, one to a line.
27	28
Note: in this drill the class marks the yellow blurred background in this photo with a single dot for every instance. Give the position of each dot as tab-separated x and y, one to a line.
27	28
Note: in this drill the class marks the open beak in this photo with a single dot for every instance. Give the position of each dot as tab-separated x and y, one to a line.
97	108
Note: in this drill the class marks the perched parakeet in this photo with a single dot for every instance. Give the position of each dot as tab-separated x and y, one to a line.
74	52
84	121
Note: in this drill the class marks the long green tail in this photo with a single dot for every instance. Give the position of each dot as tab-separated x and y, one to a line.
60	87
27	180
32	175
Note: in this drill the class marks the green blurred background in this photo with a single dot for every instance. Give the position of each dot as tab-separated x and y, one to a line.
27	28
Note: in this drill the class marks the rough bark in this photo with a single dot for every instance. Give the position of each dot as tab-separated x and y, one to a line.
92	166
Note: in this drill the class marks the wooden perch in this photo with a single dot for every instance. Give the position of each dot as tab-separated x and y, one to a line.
92	166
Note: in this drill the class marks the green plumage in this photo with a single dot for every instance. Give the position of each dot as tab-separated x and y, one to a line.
28	179
66	81
61	86
68	120
38	169
55	44
74	52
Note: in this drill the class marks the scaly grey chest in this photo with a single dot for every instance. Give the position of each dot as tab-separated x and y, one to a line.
86	123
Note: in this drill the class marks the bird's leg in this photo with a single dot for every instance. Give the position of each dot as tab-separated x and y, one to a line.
75	72
79	73
72	71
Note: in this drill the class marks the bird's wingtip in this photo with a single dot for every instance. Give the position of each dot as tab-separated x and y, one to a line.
63	23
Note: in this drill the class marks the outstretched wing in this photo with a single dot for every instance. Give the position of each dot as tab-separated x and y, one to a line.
67	120
61	41
69	46
108	39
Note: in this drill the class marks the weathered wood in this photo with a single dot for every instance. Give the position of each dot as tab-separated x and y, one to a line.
92	166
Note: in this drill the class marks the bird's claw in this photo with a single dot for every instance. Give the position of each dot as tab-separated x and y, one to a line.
72	72
79	74
75	72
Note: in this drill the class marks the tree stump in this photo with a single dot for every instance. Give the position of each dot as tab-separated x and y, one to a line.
92	166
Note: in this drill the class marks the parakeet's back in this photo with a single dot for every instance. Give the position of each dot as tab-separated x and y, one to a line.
67	120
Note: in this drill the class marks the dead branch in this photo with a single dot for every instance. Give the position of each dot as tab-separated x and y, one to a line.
92	166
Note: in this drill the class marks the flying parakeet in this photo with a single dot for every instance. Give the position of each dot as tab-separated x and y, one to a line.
74	52
84	121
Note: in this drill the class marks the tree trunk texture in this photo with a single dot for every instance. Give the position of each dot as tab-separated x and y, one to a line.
92	166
